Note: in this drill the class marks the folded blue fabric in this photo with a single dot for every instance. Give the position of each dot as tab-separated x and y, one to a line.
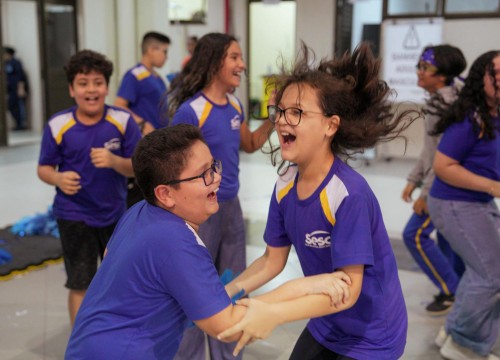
5	257
38	224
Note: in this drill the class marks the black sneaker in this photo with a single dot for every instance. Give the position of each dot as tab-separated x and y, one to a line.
441	305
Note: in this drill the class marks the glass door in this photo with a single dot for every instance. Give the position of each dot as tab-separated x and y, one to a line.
59	43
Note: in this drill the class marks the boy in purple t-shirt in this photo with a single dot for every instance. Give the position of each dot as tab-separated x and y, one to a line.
85	154
157	273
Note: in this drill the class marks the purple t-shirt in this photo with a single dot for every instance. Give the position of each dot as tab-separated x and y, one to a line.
341	224
156	275
66	144
220	126
475	153
145	93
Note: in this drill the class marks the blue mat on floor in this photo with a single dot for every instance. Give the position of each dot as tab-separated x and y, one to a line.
27	253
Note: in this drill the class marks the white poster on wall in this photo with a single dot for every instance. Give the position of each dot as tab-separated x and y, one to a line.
402	44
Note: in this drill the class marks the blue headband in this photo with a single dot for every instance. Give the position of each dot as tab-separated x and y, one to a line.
428	57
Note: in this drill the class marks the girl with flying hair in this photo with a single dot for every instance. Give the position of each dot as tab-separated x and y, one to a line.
323	115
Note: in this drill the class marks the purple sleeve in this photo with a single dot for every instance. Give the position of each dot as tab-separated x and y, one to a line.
128	88
275	234
352	242
132	137
49	151
458	140
193	281
185	115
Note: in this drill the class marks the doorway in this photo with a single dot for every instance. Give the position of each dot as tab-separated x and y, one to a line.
265	49
43	34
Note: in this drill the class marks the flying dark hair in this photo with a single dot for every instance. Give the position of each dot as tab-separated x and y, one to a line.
160	157
208	57
349	87
471	101
86	61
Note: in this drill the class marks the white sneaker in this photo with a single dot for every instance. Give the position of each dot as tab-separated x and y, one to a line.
441	337
453	351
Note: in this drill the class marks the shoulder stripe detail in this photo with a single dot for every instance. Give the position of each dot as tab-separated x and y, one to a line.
202	109
60	125
198	240
332	196
233	100
118	118
141	72
326	207
285	183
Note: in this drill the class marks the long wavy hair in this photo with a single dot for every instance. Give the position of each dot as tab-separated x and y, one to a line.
350	87
208	58
471	101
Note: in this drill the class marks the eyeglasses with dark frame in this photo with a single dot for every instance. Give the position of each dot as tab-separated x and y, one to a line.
208	175
425	66
292	114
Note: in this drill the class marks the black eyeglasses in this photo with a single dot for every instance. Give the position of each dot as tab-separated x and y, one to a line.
292	114
424	66
208	175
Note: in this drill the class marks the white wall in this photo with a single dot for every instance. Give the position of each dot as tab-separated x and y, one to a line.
316	25
266	19
473	36
116	27
364	12
97	31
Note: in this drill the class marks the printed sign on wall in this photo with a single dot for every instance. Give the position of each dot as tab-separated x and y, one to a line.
402	44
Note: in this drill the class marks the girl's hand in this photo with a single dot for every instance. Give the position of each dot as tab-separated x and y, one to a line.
335	285
408	191
258	323
420	207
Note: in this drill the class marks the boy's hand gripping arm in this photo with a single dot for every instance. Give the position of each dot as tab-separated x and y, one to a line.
269	310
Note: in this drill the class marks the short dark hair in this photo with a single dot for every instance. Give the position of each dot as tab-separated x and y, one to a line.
152	37
86	61
161	156
450	61
9	50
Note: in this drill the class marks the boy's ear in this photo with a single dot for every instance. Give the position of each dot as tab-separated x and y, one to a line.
163	194
71	91
442	79
333	125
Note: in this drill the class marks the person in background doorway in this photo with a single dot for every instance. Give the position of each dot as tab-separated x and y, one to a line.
17	88
86	154
463	208
438	69
141	92
190	45
202	95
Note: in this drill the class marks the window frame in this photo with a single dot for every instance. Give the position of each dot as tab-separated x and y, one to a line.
439	12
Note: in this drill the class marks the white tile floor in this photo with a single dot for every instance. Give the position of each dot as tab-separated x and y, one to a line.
33	315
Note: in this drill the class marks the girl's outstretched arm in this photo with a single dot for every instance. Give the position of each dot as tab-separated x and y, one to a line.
261	271
267	311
